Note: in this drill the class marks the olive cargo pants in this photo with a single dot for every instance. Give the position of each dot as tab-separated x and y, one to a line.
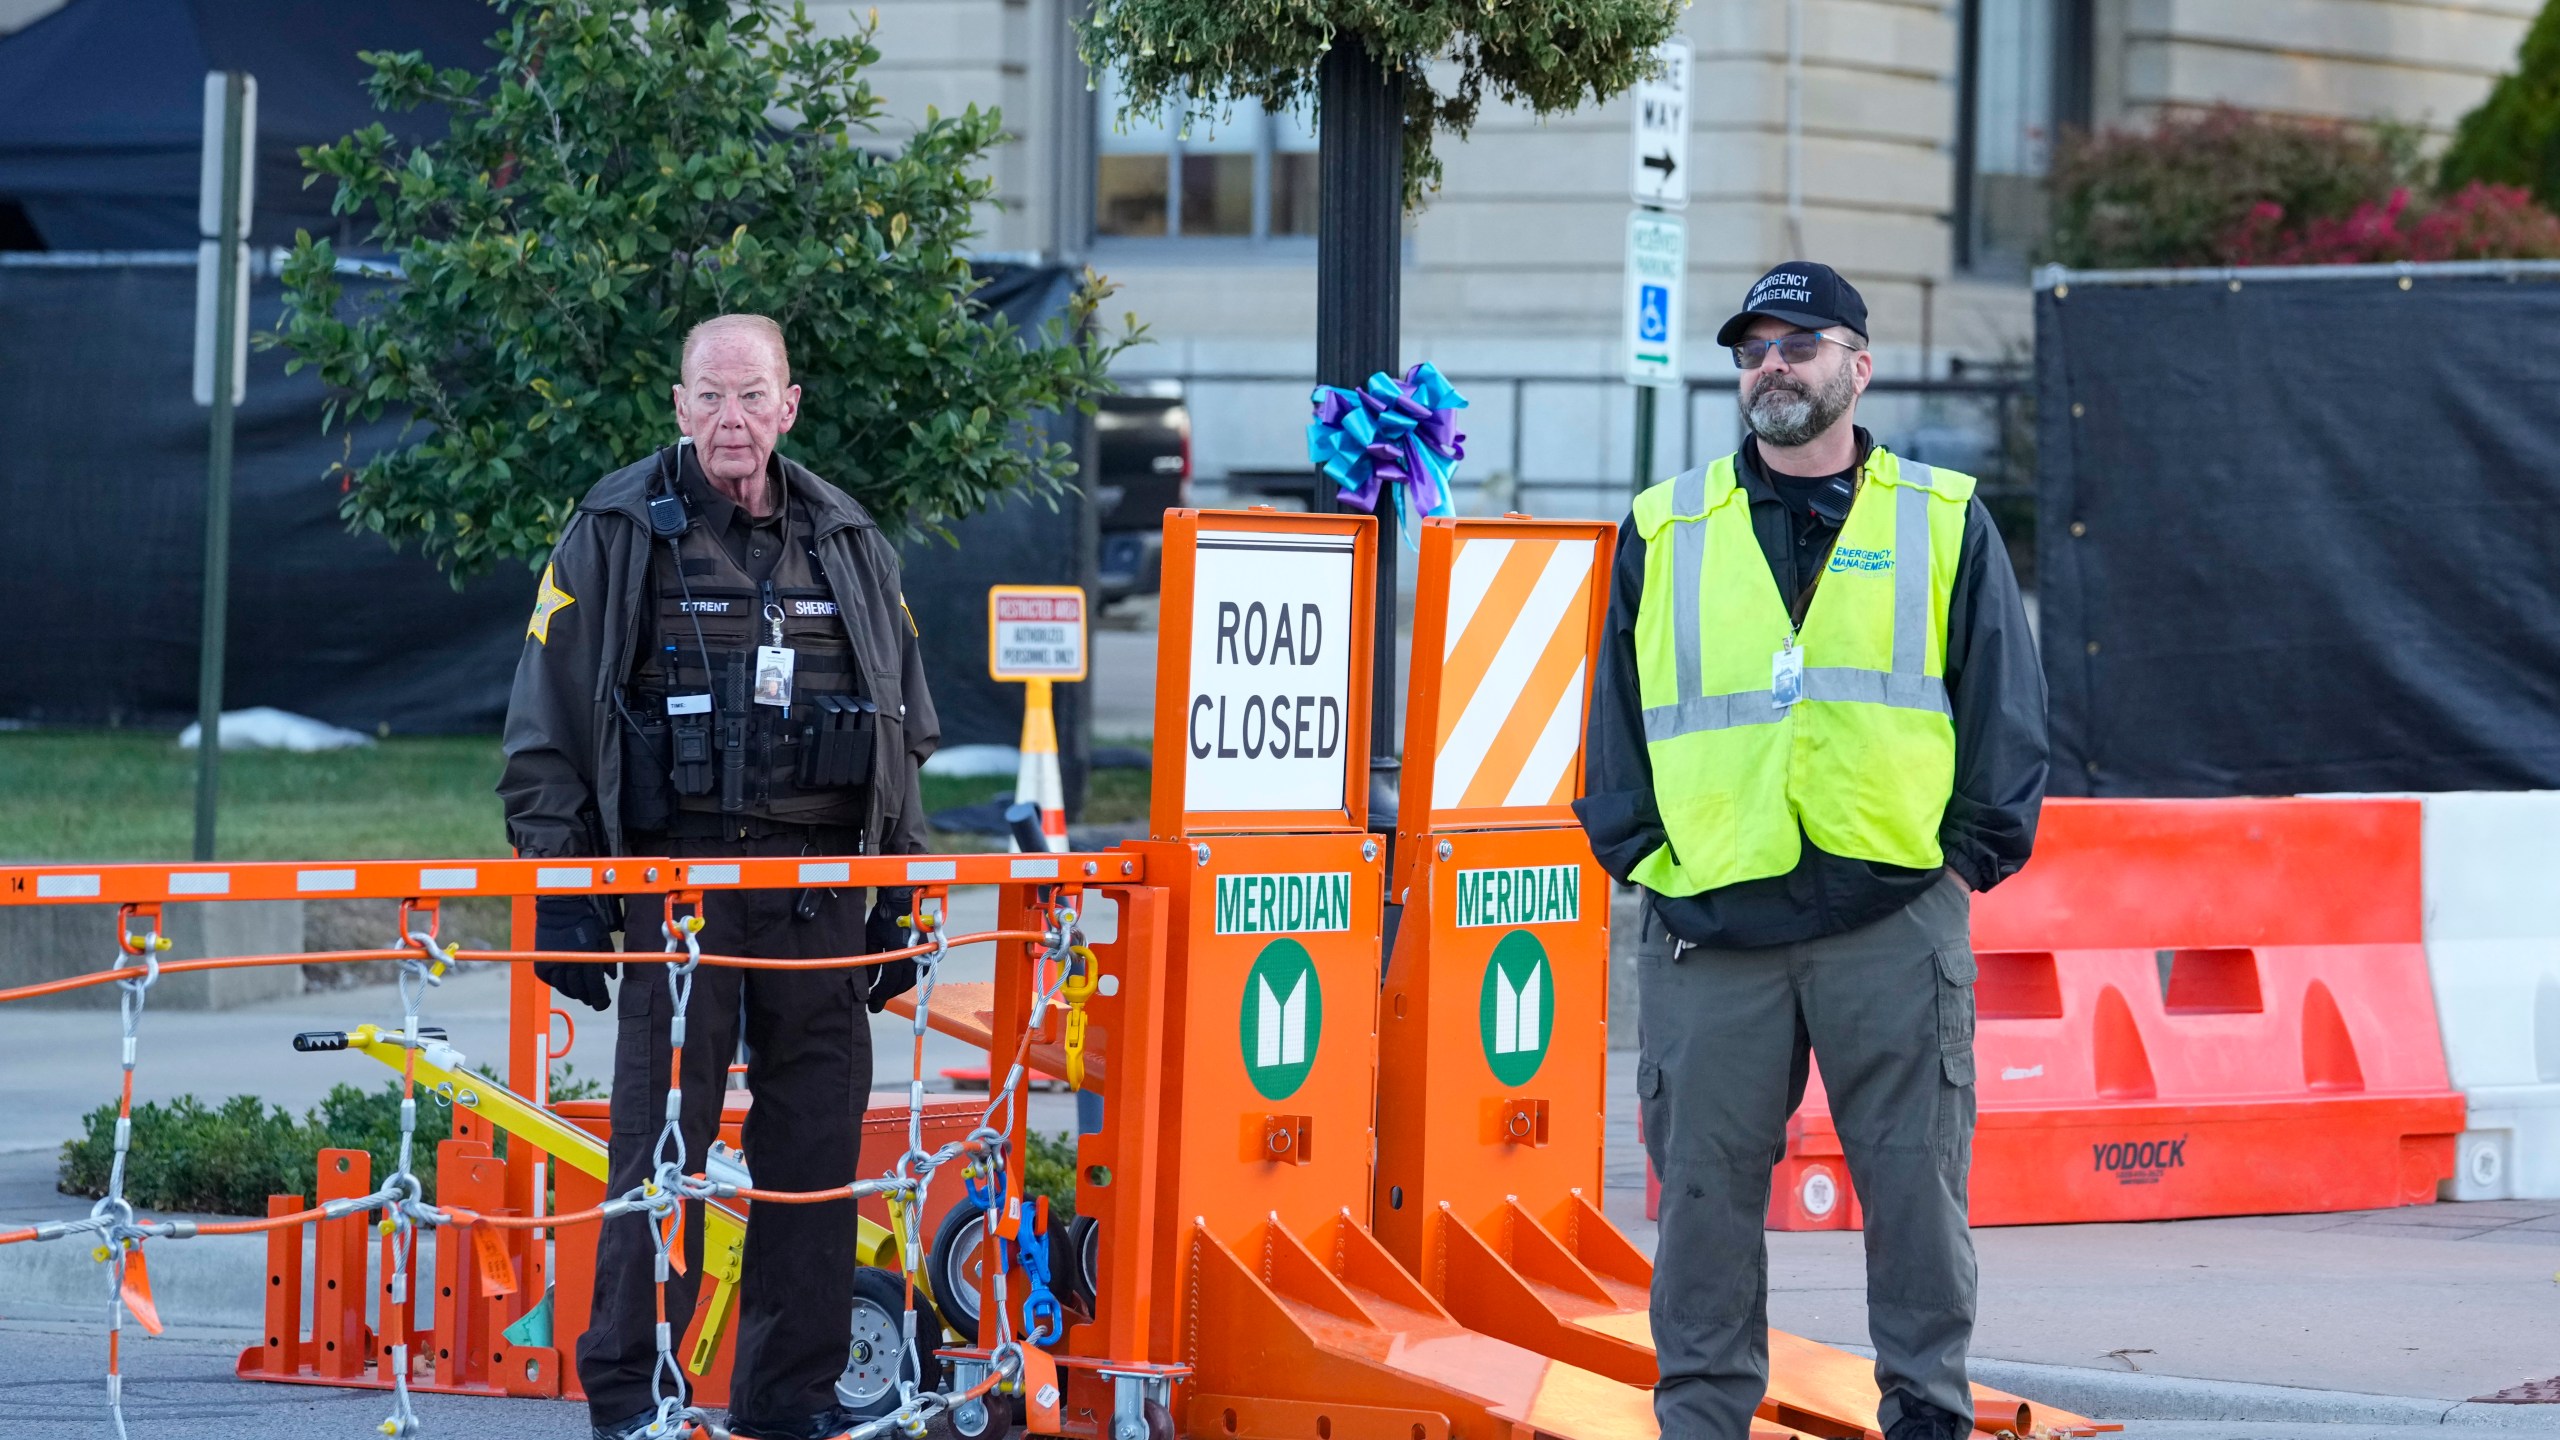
1726	1034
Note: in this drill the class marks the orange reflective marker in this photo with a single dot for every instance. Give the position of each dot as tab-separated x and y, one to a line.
1040	1393
135	1286
497	1272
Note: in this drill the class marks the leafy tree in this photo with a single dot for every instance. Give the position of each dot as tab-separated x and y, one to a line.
624	170
1549	55
2514	137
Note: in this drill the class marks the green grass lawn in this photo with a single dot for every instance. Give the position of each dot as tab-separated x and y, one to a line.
127	795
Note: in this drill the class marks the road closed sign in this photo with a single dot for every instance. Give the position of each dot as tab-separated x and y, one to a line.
1035	632
1266	716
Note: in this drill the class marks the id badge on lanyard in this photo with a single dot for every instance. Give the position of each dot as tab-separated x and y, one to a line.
774	663
1786	675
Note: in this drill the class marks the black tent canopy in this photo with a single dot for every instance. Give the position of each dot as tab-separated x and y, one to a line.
102	131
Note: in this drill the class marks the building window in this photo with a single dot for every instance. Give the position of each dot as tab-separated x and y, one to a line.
2025	79
1240	173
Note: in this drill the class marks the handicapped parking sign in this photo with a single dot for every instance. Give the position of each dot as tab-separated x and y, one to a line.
1653	313
1657	260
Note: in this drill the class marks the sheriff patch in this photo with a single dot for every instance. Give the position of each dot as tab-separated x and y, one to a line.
550	600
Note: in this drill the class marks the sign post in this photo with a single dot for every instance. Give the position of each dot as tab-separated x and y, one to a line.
1657	242
225	196
1035	635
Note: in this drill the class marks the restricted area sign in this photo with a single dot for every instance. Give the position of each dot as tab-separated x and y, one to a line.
1657	260
1035	632
1660	174
1263	672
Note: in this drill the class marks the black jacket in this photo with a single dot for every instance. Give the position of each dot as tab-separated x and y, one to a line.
1994	680
563	779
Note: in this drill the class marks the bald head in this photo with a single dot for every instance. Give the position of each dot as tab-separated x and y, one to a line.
736	399
747	329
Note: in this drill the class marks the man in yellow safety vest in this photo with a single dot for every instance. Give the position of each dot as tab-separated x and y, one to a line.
1818	724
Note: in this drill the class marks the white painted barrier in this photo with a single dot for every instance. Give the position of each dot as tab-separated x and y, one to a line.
2493	947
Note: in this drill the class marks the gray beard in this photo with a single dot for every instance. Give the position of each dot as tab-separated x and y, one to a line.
1785	414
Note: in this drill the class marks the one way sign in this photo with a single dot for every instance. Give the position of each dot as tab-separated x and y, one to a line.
1659	174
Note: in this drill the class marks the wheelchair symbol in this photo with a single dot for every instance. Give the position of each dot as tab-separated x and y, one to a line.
1653	313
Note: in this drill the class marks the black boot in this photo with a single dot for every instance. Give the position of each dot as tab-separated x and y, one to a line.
1924	1421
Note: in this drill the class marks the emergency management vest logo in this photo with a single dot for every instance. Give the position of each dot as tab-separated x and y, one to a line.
1282	1019
1846	558
1517	1014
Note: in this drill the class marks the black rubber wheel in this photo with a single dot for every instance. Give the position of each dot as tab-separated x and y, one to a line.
954	1265
880	1357
1079	1274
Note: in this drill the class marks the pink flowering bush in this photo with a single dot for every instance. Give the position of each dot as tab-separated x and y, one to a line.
2479	222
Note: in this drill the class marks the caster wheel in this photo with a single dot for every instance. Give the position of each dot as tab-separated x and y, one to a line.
880	1357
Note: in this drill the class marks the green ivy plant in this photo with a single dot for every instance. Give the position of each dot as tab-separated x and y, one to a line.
1548	55
624	170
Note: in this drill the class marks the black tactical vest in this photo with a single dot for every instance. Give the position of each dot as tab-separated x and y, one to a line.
700	748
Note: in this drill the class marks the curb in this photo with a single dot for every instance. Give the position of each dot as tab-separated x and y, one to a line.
208	1282
2114	1395
214	1280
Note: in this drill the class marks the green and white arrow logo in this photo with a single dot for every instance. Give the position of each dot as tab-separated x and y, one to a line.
1517	1014
1281	1019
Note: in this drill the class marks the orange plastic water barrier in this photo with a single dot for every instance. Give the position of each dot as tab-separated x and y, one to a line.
2186	1008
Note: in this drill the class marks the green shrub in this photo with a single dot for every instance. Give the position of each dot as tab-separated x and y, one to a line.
2180	193
227	1161
2514	137
1050	1171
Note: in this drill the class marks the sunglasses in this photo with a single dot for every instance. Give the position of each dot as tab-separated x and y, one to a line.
1796	349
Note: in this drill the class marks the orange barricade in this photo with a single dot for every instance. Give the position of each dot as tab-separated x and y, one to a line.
2191	1007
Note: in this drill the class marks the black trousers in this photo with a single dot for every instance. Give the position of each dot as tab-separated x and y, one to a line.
809	1071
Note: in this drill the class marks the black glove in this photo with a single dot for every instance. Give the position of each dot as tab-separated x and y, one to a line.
575	922
883	932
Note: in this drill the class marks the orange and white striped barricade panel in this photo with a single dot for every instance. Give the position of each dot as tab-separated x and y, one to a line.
1506	626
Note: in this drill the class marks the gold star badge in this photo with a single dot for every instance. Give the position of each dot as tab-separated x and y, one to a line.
549	602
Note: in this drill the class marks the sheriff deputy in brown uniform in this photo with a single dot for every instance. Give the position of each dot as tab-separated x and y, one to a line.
720	663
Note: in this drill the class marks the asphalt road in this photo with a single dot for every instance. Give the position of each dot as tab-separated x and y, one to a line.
52	1384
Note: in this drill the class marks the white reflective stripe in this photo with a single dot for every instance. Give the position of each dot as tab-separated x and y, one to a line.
1837	683
200	882
1911	571
560	877
50	887
825	872
465	878
309	880
1842	683
711	874
1033	870
1688	576
1709	712
919	871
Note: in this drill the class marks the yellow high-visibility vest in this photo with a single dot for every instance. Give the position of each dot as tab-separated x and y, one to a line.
1864	761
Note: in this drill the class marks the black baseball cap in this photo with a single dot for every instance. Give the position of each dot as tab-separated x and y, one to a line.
1800	292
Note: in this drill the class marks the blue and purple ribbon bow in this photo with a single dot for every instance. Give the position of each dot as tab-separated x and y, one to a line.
1390	433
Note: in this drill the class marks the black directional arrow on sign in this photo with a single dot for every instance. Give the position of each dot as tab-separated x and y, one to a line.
1662	162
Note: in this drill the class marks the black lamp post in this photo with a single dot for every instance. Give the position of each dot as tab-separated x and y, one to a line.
1359	258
